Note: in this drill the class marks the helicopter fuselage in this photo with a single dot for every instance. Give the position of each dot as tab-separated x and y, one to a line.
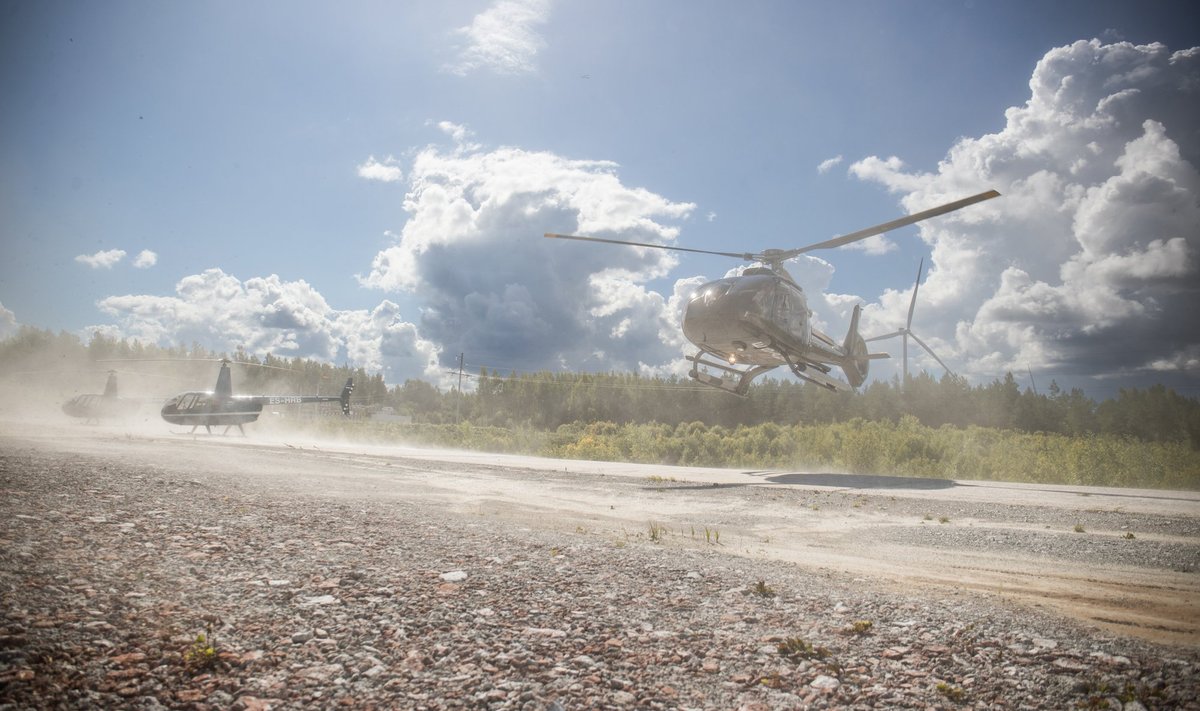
93	407
221	408
753	319
206	410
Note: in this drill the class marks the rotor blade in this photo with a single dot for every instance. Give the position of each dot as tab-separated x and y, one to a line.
930	352
916	285
893	334
894	224
196	360
738	255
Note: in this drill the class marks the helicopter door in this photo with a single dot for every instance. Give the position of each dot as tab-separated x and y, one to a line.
791	313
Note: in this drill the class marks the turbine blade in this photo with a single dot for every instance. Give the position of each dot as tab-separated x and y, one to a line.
893	334
930	352
912	304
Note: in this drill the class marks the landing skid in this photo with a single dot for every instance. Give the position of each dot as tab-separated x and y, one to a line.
743	377
816	374
208	428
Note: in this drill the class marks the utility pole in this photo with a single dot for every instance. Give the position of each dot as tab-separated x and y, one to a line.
458	399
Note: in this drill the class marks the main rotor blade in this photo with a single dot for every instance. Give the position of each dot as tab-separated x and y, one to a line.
930	352
916	285
894	224
738	255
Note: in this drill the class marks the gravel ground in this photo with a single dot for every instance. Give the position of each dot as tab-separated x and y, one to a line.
110	571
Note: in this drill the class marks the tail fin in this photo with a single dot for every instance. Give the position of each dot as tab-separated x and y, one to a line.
224	388
345	398
856	362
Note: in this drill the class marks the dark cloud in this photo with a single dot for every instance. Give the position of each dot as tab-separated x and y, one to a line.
1090	261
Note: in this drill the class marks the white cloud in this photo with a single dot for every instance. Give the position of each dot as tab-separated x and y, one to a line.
1088	264
145	259
268	315
828	165
102	260
503	39
493	287
8	323
385	171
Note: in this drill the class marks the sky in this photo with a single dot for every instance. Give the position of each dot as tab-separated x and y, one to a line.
369	182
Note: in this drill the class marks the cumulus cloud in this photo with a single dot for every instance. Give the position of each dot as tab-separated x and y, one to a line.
385	171
269	315
145	259
105	259
503	39
1088	264
494	288
828	165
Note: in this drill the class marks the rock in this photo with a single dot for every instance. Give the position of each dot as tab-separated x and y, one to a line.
321	672
825	683
454	576
318	600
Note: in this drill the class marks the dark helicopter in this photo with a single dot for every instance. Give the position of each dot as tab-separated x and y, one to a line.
220	407
92	408
761	320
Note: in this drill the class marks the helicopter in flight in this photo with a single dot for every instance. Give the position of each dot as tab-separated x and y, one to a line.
220	407
92	408
760	320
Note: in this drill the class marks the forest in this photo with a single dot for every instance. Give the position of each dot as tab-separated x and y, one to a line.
927	427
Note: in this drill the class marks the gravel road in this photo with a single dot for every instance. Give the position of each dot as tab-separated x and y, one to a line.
325	576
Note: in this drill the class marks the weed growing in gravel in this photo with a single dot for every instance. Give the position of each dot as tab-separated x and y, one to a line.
797	649
954	693
712	536
860	627
943	519
657	532
1129	536
202	654
1099	693
762	589
1079	528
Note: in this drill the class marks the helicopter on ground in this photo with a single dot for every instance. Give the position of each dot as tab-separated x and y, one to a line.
92	408
761	320
220	407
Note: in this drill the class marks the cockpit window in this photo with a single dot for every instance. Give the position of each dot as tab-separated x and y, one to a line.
713	290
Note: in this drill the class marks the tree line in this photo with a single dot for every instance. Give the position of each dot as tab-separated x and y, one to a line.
548	400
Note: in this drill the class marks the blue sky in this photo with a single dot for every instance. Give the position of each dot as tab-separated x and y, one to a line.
369	182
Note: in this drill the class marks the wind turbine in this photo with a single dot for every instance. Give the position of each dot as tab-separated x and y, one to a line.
905	332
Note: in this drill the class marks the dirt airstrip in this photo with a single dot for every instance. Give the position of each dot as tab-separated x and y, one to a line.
371	575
